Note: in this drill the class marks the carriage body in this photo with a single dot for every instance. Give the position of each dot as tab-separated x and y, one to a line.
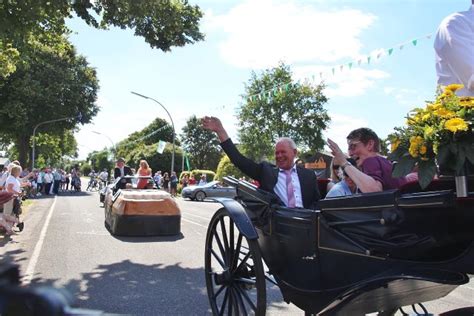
363	253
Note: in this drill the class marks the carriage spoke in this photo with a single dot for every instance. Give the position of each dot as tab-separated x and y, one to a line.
218	259
226	295
239	300
247	298
244	261
221	248
231	302
235	301
226	242
246	281
219	291
236	253
231	242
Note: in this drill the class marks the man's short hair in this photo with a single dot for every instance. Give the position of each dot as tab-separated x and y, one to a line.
365	134
288	140
121	160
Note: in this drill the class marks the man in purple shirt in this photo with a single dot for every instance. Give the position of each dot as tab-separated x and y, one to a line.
373	172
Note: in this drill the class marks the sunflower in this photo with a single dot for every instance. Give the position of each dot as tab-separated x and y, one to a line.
456	124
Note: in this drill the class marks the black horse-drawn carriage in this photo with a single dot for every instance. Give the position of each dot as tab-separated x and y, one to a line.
364	253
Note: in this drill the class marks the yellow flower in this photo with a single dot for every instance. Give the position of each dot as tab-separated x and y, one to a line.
455	124
467	103
444	113
433	106
426	117
446	93
423	150
429	130
453	87
395	145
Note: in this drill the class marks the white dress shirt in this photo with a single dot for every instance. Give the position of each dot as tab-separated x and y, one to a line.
454	47
280	187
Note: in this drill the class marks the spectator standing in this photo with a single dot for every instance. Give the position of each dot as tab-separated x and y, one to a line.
192	180
157	179
203	180
166	182
56	180
185	180
40	182
173	183
48	181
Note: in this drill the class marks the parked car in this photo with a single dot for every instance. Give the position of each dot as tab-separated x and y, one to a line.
209	190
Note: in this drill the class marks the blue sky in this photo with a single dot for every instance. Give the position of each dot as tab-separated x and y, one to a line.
313	37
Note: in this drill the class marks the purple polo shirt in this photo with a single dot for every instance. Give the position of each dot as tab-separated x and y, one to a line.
380	169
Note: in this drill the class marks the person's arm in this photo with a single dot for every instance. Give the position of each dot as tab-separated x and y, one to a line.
364	182
246	165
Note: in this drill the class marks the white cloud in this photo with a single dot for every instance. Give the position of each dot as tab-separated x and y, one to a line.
341	126
262	33
405	97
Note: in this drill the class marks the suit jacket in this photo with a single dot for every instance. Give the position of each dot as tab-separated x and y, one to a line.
267	174
126	170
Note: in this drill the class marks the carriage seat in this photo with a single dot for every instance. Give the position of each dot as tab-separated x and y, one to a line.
389	223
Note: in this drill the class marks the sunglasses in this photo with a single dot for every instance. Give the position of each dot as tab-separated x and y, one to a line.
353	145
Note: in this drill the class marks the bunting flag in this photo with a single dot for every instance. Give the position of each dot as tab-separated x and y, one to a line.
161	147
186	161
377	54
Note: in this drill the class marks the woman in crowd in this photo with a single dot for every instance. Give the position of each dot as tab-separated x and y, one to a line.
143	171
335	175
12	186
165	182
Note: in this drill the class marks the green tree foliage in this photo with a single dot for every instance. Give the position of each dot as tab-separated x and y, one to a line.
162	23
51	82
143	145
201	145
227	168
99	160
295	110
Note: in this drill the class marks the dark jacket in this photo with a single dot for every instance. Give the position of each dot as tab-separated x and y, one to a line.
267	174
126	170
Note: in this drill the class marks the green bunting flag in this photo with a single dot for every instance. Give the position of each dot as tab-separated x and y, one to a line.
350	65
368	59
390	51
186	161
333	71
414	42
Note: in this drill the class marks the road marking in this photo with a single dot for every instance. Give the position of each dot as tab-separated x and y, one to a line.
30	269
187	220
206	218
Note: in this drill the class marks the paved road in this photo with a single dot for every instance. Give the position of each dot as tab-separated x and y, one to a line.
138	276
66	245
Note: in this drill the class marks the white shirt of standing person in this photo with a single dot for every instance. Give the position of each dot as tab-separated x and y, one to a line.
16	183
454	47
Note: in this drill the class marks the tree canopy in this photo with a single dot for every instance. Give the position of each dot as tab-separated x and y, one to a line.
162	23
291	110
201	145
51	82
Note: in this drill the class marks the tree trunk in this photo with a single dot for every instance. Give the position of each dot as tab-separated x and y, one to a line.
23	145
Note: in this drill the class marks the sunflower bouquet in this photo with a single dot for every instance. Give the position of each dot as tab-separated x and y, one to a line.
437	137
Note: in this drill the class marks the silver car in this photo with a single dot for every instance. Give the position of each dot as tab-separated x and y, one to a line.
209	190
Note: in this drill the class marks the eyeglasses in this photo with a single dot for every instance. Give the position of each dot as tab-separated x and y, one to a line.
352	145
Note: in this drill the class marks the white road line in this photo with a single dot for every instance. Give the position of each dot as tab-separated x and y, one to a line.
206	218
30	270
187	220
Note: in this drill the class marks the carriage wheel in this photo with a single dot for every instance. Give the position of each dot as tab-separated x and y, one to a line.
234	270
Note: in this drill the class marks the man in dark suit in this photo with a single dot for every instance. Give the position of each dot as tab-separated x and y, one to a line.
122	170
294	185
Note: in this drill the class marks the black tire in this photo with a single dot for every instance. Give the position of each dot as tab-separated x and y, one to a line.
200	196
235	284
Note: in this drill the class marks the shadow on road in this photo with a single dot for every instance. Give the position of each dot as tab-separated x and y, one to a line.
138	289
148	239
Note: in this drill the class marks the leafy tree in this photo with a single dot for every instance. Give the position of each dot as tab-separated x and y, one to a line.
51	82
99	160
227	168
293	110
201	145
143	145
162	23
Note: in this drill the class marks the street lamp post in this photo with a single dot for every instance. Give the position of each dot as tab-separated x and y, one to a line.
111	141
172	124
34	138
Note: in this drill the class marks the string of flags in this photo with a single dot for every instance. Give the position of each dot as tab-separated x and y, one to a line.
375	55
143	137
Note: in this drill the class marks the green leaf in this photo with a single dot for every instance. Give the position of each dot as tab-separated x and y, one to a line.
426	172
403	167
443	155
460	161
397	153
